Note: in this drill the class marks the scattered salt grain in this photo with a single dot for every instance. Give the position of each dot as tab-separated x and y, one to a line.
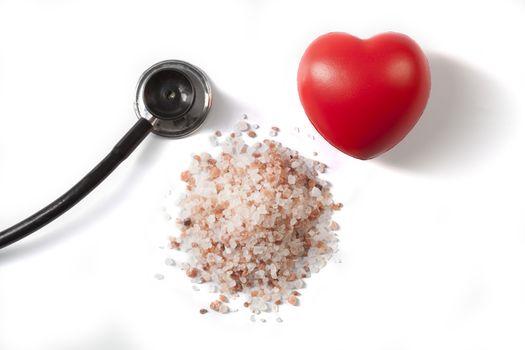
244	116
315	154
159	276
192	272
242	126
224	309
311	137
296	130
279	320
252	318
274	131
170	262
213	140
195	288
215	305
255	126
263	320
293	300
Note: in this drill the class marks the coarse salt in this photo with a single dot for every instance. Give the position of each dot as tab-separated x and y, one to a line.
255	222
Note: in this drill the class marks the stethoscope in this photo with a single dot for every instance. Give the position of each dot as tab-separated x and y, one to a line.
173	99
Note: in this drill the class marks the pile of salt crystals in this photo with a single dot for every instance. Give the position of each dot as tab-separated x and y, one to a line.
255	222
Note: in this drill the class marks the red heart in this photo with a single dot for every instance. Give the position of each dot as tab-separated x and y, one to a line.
363	96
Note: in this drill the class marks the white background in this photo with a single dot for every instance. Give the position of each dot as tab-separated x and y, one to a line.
433	233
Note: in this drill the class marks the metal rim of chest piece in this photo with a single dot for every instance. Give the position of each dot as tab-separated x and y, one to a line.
190	96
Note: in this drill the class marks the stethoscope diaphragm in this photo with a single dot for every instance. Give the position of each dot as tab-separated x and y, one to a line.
175	97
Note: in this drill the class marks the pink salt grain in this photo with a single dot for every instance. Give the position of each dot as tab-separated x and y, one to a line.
293	300
215	305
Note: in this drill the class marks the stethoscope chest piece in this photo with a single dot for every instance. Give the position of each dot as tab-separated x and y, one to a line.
175	97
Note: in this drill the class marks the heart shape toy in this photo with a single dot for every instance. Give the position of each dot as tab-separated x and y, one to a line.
363	96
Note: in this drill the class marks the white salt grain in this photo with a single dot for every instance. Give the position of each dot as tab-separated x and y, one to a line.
170	262
213	140
224	309
242	126
315	192
159	276
252	318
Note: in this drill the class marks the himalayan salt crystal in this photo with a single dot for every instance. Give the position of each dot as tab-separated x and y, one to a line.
192	272
293	300
215	305
255	222
224	309
213	140
170	262
242	126
315	192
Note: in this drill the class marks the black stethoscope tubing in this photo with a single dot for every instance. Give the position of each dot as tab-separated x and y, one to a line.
118	154
173	100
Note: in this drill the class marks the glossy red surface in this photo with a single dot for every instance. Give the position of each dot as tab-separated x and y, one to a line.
363	96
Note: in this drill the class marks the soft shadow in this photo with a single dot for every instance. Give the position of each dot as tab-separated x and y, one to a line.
224	113
112	338
466	119
45	238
